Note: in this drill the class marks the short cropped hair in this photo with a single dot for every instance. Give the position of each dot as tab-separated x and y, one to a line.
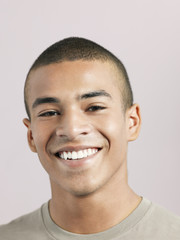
76	48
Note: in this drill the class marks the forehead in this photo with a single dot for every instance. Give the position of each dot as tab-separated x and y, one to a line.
72	78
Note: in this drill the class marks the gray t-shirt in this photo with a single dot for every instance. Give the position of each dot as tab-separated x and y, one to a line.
147	222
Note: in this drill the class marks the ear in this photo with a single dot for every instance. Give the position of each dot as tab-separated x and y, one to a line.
30	139
133	118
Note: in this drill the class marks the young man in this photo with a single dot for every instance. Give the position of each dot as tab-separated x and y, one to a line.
81	117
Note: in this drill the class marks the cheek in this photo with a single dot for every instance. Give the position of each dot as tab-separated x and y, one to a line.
41	134
112	126
114	130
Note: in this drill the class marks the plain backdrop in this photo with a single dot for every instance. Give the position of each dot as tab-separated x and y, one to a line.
145	35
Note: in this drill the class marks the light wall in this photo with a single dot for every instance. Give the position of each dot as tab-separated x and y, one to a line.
145	35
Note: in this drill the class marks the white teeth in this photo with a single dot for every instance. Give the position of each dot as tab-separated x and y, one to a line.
89	151
65	155
85	153
78	155
74	155
69	155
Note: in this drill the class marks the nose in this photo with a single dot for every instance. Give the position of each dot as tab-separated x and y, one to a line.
73	124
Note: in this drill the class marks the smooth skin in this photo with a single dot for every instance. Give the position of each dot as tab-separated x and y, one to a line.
88	195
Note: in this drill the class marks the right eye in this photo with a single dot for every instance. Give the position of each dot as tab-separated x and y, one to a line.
49	114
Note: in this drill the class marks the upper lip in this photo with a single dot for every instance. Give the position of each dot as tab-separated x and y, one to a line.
75	148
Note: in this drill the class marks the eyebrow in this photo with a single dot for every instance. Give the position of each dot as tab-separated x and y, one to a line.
44	100
99	93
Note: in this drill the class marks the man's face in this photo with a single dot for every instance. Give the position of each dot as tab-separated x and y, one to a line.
78	127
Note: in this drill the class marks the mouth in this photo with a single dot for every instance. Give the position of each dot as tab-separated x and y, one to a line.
77	155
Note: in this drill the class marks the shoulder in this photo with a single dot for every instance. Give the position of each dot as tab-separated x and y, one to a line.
27	227
160	213
162	222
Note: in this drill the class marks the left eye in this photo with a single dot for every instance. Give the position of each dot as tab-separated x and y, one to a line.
49	114
95	108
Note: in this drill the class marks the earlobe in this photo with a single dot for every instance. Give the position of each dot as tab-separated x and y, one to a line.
30	139
134	122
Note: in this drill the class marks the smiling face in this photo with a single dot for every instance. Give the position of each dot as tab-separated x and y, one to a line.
78	127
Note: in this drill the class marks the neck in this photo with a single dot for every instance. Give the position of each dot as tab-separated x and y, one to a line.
95	212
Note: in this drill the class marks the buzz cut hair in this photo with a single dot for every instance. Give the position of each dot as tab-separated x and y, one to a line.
76	48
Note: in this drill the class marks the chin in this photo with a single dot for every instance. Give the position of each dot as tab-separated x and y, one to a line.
84	190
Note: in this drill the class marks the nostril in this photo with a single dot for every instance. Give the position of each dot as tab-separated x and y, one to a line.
73	130
84	133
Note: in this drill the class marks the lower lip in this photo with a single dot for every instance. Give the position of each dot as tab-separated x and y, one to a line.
80	162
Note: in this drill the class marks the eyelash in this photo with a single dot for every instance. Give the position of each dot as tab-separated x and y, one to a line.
95	108
49	114
55	113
